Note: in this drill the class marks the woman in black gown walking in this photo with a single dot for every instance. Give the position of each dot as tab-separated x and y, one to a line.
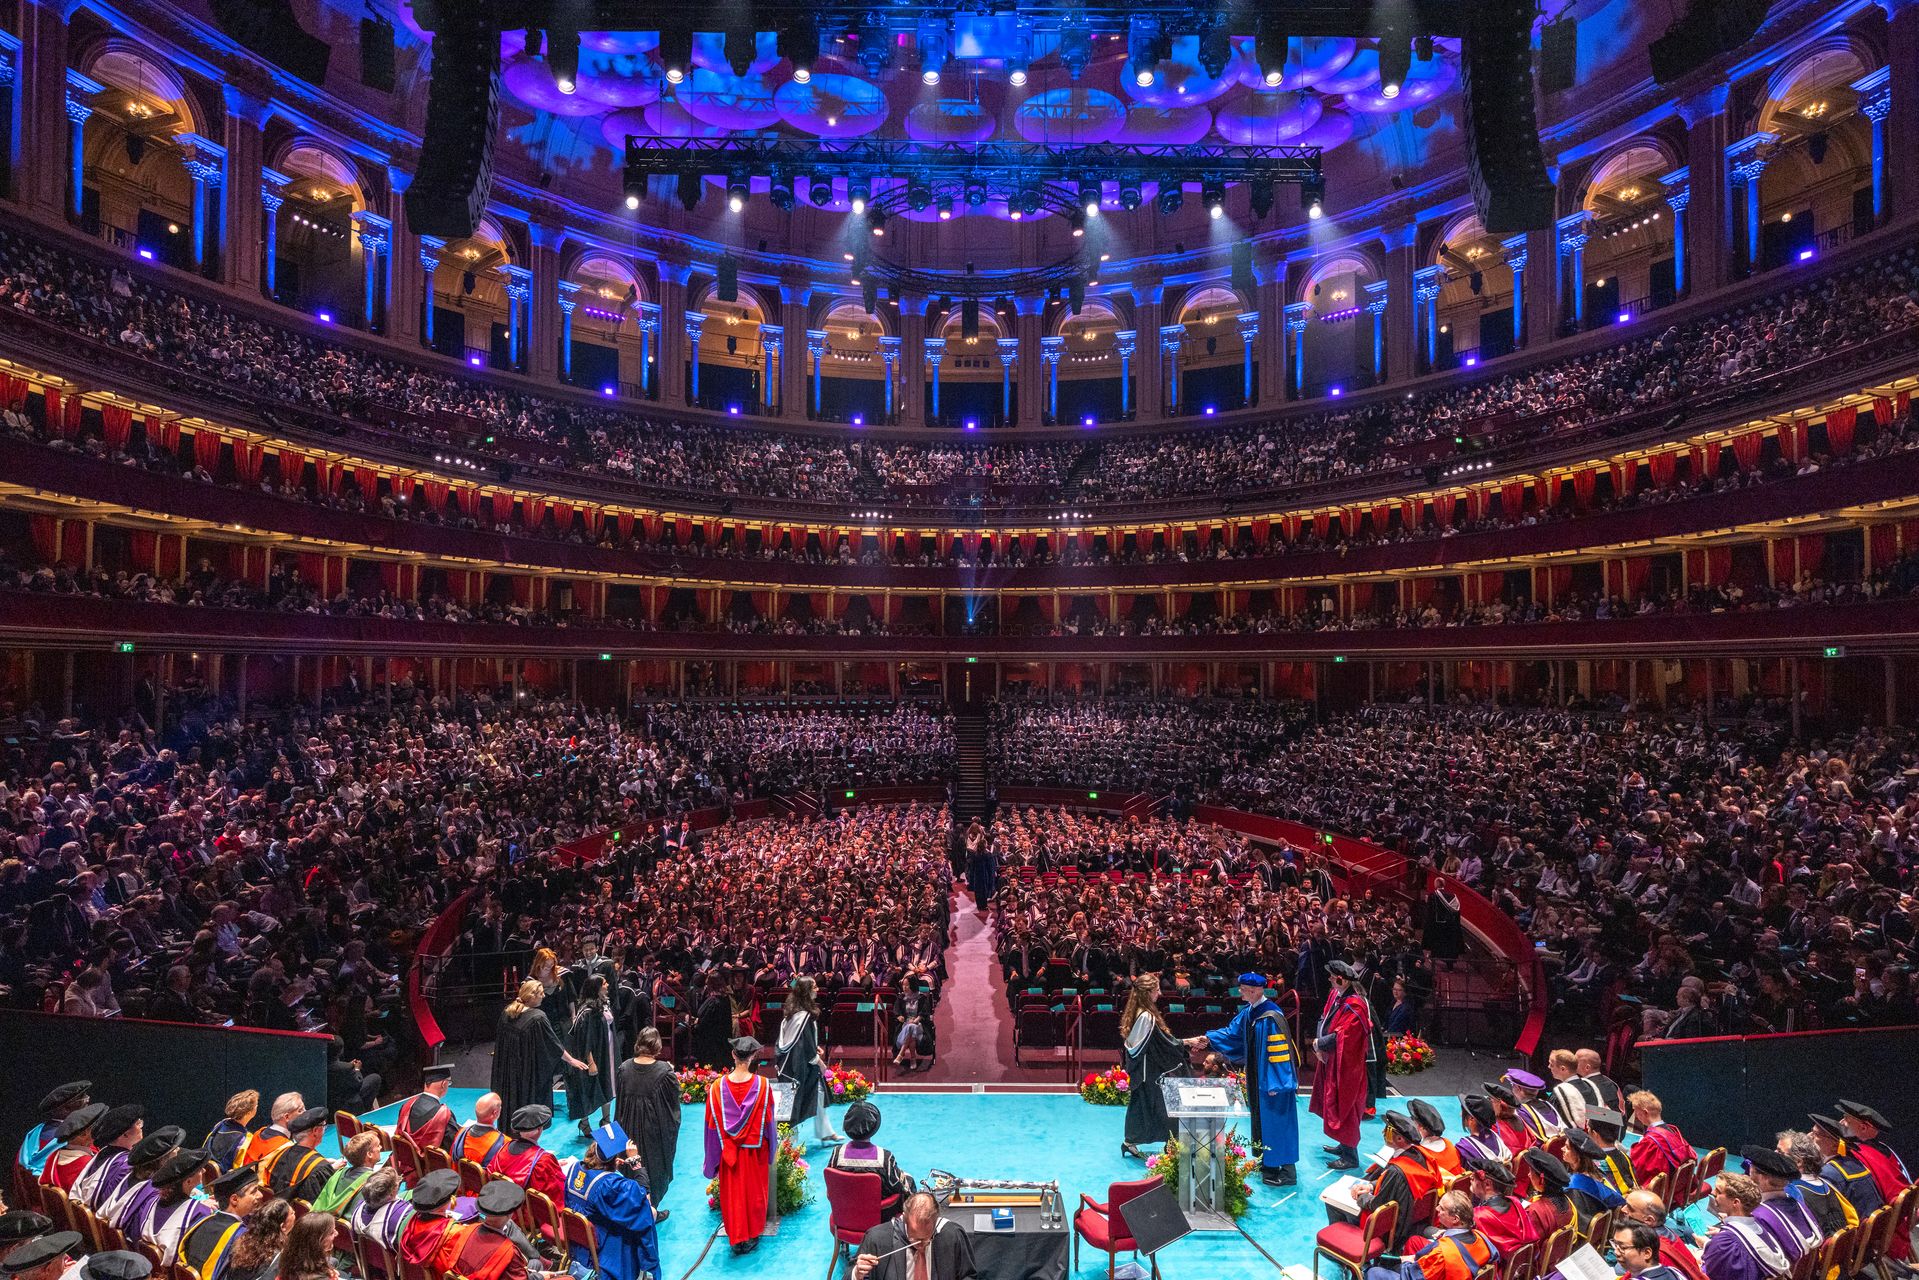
527	1052
647	1105
1151	1053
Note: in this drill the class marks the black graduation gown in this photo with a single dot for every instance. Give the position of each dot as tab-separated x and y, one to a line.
713	1033
526	1056
799	1064
647	1105
1159	1055
590	1039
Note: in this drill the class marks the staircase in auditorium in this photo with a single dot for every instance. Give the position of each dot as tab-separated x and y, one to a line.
969	739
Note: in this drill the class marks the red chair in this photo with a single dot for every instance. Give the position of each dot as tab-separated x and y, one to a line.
1103	1227
347	1125
855	1207
1355	1245
407	1158
582	1241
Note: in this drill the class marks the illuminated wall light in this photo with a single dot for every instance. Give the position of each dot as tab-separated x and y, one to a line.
475	361
1805	255
1624	316
1211	410
326	317
859	419
1088	421
1472	362
733	410
1335	391
608	389
147	254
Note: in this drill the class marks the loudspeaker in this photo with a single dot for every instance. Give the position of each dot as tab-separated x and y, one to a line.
376	55
870	295
1504	164
450	187
1558	55
969	318
1710	28
1243	272
268	28
728	288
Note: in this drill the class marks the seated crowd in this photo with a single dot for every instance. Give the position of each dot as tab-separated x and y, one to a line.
235	355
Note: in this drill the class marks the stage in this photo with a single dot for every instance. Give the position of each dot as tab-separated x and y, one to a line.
1024	1135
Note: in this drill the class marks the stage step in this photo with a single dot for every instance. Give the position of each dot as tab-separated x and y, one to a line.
971	786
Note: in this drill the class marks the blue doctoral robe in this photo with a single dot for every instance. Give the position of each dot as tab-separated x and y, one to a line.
38	1148
1256	1038
622	1212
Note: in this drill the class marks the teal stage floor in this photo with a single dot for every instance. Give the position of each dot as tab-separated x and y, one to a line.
1001	1135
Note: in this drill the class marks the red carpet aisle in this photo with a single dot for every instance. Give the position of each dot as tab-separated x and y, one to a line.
973	1024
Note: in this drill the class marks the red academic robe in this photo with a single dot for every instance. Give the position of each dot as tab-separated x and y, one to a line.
1508	1226
532	1167
1675	1254
67	1164
1662	1150
421	1237
425	1119
741	1139
1888	1175
1339	1085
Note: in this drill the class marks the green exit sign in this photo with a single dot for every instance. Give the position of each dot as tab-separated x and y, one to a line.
970	661
1339	657
123	646
1835	651
1092	795
849	795
606	657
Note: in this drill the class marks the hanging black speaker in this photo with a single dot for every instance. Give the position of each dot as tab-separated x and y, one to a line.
1243	270
376	55
269	29
728	289
969	318
455	174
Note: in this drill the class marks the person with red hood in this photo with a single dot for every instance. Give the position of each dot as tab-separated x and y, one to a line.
1339	1087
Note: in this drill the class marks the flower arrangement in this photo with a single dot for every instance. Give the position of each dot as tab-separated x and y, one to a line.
844	1085
794	1193
1109	1088
694	1082
1240	1165
1407	1054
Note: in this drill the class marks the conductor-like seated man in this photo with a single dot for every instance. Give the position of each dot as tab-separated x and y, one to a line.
917	1245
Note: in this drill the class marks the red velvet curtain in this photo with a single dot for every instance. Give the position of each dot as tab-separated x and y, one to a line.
592	517
206	450
436	491
247	460
1583	481
1443	507
1322	524
1885	543
683	531
46	539
1028	543
53	408
1289	526
562	516
1638	574
1512	500
1663	465
1718	565
1840	424
1812	552
164	432
1548	487
1625	477
623	521
116	424
1262	529
1745	450
1409	513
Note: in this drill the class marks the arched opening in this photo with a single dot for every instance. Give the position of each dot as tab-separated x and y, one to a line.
1629	263
469	315
1344	343
602	346
852	385
1216	367
1091	367
730	365
318	266
135	189
1816	187
976	387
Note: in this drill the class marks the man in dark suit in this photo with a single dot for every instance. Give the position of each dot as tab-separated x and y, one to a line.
917	1245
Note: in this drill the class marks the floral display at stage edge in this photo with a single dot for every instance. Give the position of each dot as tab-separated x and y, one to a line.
1109	1088
1241	1164
694	1082
1407	1054
844	1085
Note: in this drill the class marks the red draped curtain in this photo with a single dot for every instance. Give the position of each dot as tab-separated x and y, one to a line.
247	459
116	423
1512	500
206	450
1583	481
1443	507
1322	523
1840	424
1663	465
1745	450
1548	487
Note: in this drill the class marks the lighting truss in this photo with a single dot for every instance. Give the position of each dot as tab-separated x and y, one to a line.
989	287
1007	169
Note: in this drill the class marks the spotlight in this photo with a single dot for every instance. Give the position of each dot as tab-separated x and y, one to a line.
1016	69
688	187
799	43
1147	45
1077	221
819	190
1215	50
946	210
1269	51
676	54
742	46
563	59
975	192
1312	196
935	39
634	186
876	44
1259	193
1089	196
918	195
781	193
876	219
857	193
1075	46
736	191
1212	193
1129	194
1395	61
929	75
1029	198
1171	198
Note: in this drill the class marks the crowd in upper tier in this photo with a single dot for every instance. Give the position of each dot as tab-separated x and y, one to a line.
232	354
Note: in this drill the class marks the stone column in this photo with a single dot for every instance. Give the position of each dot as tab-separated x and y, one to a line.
913	352
78	89
1249	346
569	302
1402	334
1008	361
1127	341
41	128
1272	344
695	328
795	395
1902	112
375	235
1426	287
816	372
1050	350
1746	162
405	282
206	164
935	349
671	354
1709	237
773	372
1147	395
240	265
1297	316
543	318
1171	338
1028	322
890	358
1517	255
1378	299
273	195
1875	103
519	289
1570	276
649	314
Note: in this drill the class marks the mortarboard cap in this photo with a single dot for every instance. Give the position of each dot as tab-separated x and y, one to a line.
531	1116
1524	1079
1500	1091
230	1184
38	1252
22	1224
1401	1123
862	1120
311	1118
433	1075
116	1264
117	1121
1860	1111
80	1121
1827	1123
1765	1160
1427	1115
611	1139
166	1138
1479	1107
1497	1170
436	1188
1584	1143
1252	980
1340	969
1606	1116
501	1196
745	1047
179	1165
64	1094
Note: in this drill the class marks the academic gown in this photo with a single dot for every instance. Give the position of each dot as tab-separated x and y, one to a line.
1339	1087
425	1119
741	1138
648	1107
1505	1221
1739	1250
798	1063
206	1245
713	1034
1256	1039
621	1212
532	1167
526	1056
1789	1225
40	1144
1855	1182
1150	1055
590	1039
